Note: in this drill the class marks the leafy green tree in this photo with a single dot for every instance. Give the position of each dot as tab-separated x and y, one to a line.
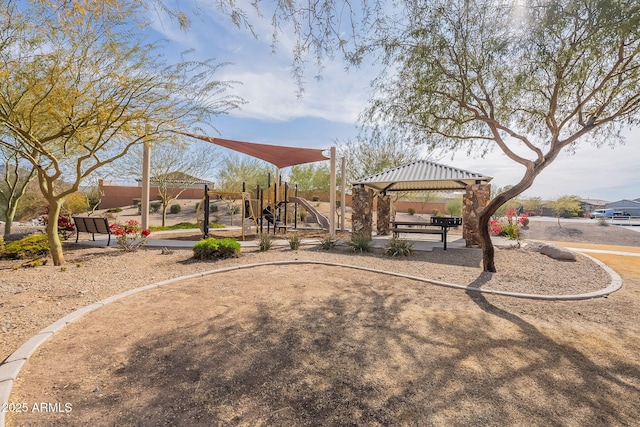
566	206
454	206
237	169
79	86
310	177
533	205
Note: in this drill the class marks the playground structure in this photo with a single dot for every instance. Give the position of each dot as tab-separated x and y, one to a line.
270	207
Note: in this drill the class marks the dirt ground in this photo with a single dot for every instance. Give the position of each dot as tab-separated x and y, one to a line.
320	345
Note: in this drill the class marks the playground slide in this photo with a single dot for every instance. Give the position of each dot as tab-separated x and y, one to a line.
323	221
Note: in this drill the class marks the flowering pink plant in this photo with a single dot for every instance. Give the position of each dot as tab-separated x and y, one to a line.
495	227
130	236
510	229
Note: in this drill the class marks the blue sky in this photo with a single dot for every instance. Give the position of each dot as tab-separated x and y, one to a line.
329	109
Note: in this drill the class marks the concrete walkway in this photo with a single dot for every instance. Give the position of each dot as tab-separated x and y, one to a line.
420	243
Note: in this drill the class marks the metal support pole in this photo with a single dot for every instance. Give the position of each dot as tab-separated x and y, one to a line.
286	189
295	210
146	179
332	194
261	196
205	220
343	193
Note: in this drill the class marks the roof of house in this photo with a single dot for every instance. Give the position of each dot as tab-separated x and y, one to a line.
422	175
177	178
595	202
632	203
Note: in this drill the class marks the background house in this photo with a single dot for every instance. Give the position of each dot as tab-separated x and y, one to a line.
630	206
590	205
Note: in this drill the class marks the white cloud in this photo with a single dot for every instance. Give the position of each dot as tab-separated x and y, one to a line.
591	172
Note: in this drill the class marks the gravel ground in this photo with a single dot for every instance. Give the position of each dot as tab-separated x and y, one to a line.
32	298
581	231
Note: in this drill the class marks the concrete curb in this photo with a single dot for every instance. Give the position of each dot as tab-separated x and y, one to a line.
11	367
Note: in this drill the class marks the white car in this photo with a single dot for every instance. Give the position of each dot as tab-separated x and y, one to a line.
601	213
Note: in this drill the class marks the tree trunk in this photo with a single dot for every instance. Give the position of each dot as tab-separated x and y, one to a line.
164	213
10	215
52	232
488	252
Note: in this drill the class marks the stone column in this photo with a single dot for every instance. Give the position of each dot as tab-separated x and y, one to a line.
384	215
476	197
362	207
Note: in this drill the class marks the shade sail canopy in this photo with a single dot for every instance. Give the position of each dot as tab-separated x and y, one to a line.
277	155
422	175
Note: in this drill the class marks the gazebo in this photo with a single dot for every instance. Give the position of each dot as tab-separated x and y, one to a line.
421	175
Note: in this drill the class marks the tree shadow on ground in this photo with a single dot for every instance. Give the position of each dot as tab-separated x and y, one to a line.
365	355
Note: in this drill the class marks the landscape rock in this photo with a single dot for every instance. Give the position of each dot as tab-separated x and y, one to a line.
552	251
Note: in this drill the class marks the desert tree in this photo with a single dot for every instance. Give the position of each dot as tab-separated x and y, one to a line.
16	176
175	166
566	206
78	88
375	152
530	79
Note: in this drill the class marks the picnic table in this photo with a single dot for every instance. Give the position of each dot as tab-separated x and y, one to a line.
437	225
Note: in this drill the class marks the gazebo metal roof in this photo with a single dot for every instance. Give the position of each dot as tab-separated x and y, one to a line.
422	175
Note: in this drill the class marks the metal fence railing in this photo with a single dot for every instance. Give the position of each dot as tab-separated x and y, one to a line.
624	220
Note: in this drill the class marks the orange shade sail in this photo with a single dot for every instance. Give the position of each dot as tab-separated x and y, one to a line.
277	155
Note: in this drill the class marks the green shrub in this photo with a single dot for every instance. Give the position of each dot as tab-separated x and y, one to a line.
398	247
28	247
212	248
114	210
510	231
155	207
454	207
411	211
175	209
360	243
266	241
213	208
137	203
315	198
328	242
294	242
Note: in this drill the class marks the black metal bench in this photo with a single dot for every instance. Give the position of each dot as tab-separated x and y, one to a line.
444	223
93	225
